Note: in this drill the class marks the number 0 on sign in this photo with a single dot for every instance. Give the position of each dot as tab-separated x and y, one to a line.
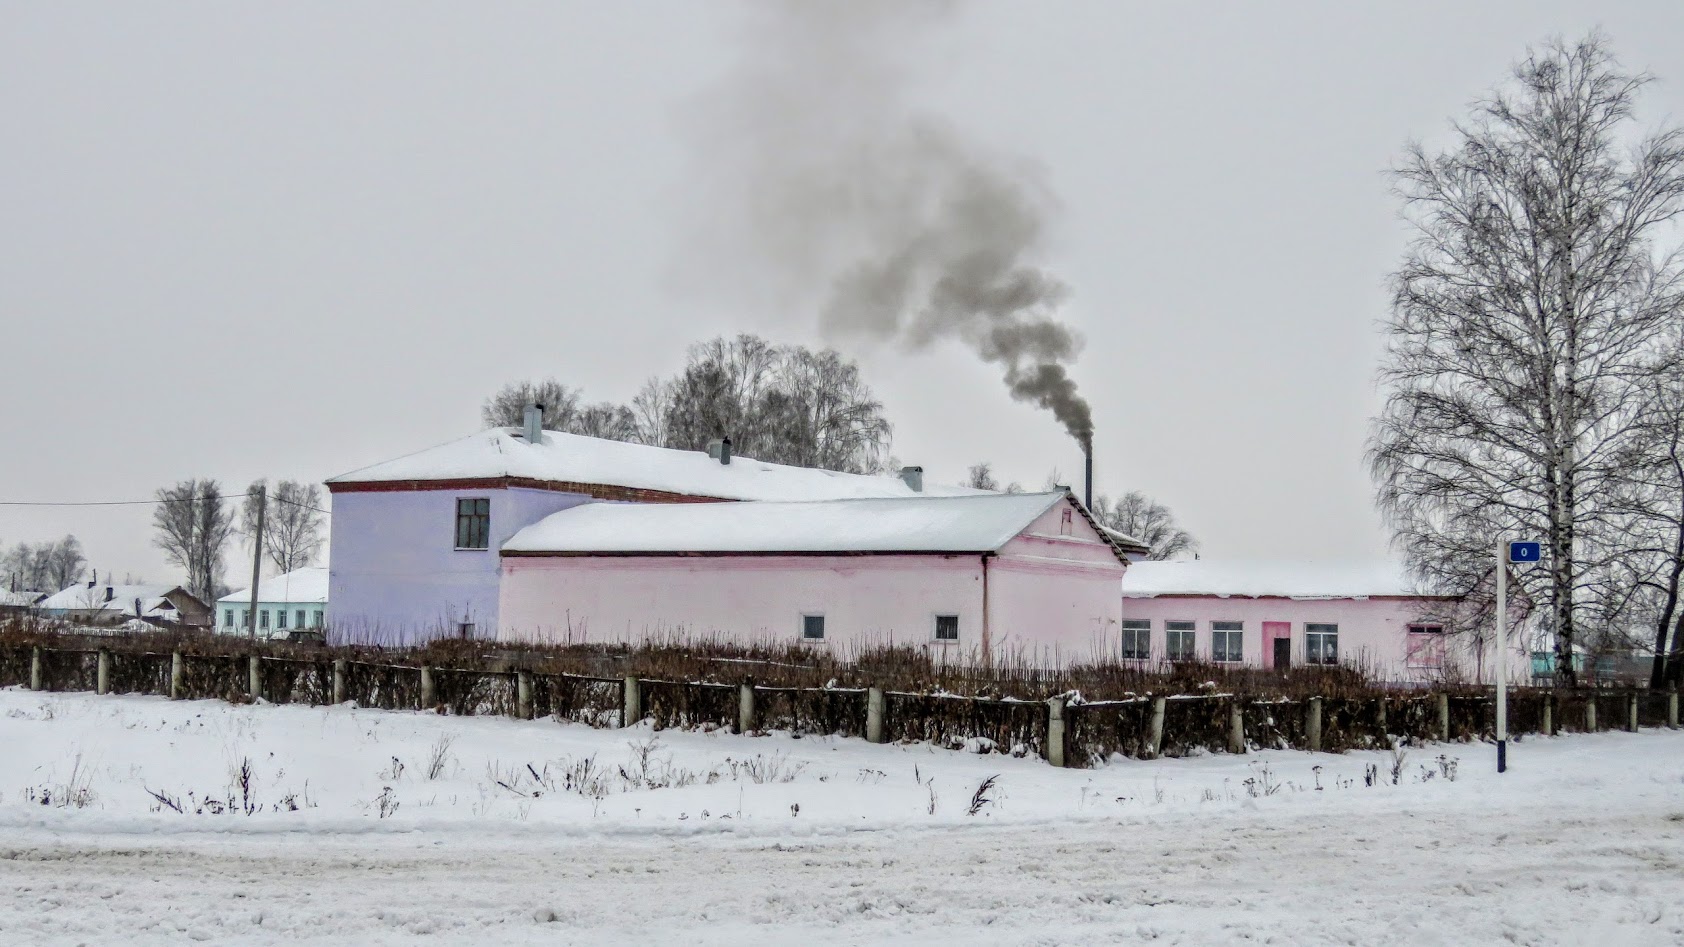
1526	552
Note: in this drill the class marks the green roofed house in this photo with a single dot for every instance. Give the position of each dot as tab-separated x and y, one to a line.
293	601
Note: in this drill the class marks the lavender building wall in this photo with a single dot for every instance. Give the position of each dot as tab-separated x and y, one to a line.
396	576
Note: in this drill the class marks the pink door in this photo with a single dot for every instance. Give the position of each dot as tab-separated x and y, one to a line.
1277	645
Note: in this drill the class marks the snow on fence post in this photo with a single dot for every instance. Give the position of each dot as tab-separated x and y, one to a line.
177	675
427	693
1312	726
523	695
745	708
1236	726
1631	712
631	702
874	715
338	680
1443	716
1155	744
1672	711
1055	732
254	678
102	672
35	668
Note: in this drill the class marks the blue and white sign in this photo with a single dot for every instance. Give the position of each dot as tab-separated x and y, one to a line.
1526	552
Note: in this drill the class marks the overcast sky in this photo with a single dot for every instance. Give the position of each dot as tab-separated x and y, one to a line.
290	240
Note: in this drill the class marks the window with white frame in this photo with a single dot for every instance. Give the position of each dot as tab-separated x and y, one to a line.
316	619
1227	641
947	628
280	618
298	619
1424	646
1180	640
1137	639
812	627
263	619
228	618
1321	643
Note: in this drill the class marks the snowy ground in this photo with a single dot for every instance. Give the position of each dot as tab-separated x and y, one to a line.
354	837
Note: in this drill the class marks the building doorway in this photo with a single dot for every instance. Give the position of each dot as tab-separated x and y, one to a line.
1277	645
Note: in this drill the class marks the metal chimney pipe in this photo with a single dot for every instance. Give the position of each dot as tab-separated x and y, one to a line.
534	426
1087	488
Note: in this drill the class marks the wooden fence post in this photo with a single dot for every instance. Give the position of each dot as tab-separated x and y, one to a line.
1672	710
1155	746
1631	713
631	702
1590	714
254	678
1549	715
1312	727
745	708
523	695
35	668
429	698
1055	732
102	672
1443	717
338	680
177	675
1236	726
874	706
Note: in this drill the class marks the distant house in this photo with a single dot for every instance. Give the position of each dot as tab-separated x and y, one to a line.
19	603
1275	615
416	540
970	577
95	604
292	600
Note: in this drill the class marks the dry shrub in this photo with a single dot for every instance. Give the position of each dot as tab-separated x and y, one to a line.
1095	731
669	705
816	712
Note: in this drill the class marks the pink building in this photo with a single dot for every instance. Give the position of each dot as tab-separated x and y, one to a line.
1286	614
969	576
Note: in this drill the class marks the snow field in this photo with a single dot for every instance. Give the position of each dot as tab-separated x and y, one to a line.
342	825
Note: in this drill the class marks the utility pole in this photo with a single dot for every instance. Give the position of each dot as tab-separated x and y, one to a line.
257	560
1502	656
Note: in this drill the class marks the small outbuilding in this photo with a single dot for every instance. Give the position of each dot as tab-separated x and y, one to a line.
158	605
972	578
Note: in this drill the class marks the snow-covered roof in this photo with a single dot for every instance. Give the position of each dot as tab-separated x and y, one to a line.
1268	579
110	598
307	585
574	458
970	524
18	599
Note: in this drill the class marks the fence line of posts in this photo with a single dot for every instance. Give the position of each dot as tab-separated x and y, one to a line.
1066	731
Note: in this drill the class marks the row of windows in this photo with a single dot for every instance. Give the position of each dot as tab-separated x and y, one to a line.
280	617
946	627
1227	641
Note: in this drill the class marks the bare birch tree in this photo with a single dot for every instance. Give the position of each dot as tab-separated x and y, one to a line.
194	524
1524	319
1147	520
1650	506
292	523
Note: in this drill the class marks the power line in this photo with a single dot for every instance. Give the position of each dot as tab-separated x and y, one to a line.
153	501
